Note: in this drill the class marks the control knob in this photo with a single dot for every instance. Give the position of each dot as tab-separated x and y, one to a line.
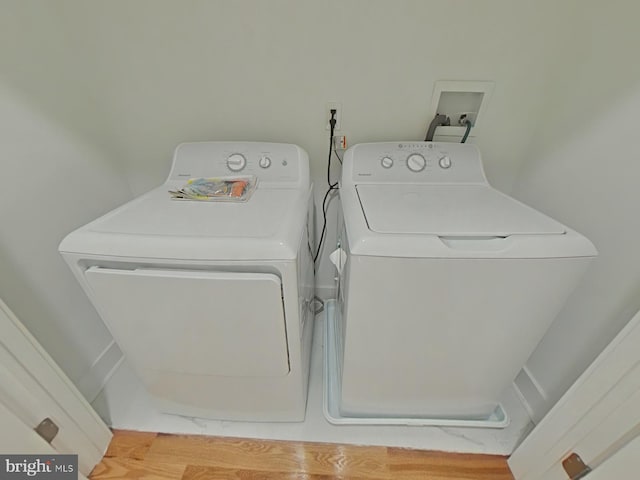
416	162
387	162
445	162
264	162
236	162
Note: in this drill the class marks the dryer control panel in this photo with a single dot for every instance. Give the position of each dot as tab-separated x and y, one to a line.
413	162
272	163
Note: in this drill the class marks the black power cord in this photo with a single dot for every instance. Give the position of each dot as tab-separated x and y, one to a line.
335	152
332	186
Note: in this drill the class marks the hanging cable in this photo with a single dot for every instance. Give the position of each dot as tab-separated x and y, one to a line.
332	186
466	133
335	152
465	122
325	205
438	120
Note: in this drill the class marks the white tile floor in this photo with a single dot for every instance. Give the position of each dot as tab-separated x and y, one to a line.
125	405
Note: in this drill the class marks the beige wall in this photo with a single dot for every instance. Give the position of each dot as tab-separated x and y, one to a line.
161	72
100	92
53	182
584	169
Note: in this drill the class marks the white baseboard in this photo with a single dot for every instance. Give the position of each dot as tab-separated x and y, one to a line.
532	395
92	382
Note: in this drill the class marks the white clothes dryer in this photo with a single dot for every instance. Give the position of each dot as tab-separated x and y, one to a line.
211	302
446	286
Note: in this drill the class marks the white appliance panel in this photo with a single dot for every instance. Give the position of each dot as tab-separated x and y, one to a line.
442	337
390	162
275	164
450	210
197	322
212	303
448	284
259	217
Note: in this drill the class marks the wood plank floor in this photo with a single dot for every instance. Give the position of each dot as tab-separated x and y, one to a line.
149	456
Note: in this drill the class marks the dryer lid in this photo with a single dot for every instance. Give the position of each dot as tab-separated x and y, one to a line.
155	213
450	210
268	226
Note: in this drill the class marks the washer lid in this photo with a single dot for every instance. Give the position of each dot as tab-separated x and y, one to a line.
450	210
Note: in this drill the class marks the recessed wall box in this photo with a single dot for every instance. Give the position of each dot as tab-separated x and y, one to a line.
455	98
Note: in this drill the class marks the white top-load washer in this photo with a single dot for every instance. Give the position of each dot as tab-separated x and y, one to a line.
446	284
211	302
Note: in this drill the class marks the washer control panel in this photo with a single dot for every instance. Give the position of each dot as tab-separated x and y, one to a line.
413	162
269	162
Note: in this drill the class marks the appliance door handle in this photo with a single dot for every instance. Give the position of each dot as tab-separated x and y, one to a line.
476	244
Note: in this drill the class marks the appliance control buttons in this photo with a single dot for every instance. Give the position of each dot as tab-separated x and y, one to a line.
445	162
264	162
387	162
416	162
236	162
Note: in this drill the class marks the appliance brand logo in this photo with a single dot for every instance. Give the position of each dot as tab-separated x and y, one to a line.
53	467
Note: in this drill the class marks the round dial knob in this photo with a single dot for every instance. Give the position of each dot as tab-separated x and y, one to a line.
445	162
236	162
416	162
387	162
264	162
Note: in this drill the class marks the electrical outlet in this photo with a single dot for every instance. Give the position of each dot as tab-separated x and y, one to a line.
340	142
338	108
